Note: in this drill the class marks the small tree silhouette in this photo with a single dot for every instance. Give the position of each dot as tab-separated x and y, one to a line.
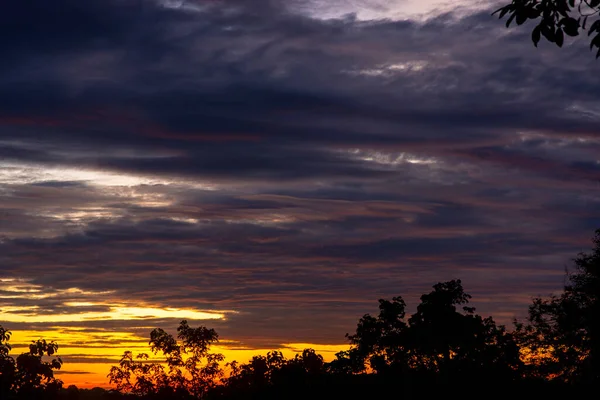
188	370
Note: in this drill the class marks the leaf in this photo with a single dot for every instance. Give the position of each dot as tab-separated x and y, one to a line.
560	37
503	11
570	26
548	33
595	41
521	18
533	13
536	35
510	19
594	27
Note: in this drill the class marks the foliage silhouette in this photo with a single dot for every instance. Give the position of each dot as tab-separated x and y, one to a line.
189	370
564	330
274	376
29	375
556	18
437	340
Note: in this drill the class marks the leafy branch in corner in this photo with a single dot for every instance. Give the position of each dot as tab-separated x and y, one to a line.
555	19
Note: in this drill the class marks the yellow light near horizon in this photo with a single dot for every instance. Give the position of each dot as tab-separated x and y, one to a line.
90	352
96	352
153	312
322	348
85	375
80	304
115	312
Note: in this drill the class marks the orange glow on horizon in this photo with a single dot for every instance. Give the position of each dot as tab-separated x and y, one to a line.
88	356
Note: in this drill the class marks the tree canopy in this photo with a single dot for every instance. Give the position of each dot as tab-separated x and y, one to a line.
565	329
444	337
31	374
556	19
189	369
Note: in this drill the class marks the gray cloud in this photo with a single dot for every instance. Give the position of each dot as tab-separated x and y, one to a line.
292	169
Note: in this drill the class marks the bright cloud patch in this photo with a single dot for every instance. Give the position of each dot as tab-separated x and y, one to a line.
386	9
77	305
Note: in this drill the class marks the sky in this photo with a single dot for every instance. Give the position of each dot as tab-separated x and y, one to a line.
271	168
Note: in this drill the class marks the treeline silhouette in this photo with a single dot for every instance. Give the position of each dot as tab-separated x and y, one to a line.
444	349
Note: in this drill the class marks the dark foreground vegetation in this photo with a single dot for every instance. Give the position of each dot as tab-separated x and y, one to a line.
442	350
555	20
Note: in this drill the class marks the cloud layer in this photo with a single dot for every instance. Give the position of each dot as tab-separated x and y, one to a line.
256	158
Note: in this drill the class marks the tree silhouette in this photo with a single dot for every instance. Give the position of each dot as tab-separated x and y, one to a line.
274	376
257	374
437	340
31	375
7	364
452	342
556	18
380	342
563	332
437	330
188	369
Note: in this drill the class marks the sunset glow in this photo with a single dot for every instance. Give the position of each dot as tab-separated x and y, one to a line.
89	354
270	169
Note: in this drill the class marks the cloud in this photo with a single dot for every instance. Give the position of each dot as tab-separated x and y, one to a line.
288	167
73	372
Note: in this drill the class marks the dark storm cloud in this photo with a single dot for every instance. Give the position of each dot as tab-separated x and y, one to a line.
288	168
199	88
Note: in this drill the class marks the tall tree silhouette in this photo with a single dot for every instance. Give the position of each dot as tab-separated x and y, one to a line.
452	342
379	342
437	339
563	331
